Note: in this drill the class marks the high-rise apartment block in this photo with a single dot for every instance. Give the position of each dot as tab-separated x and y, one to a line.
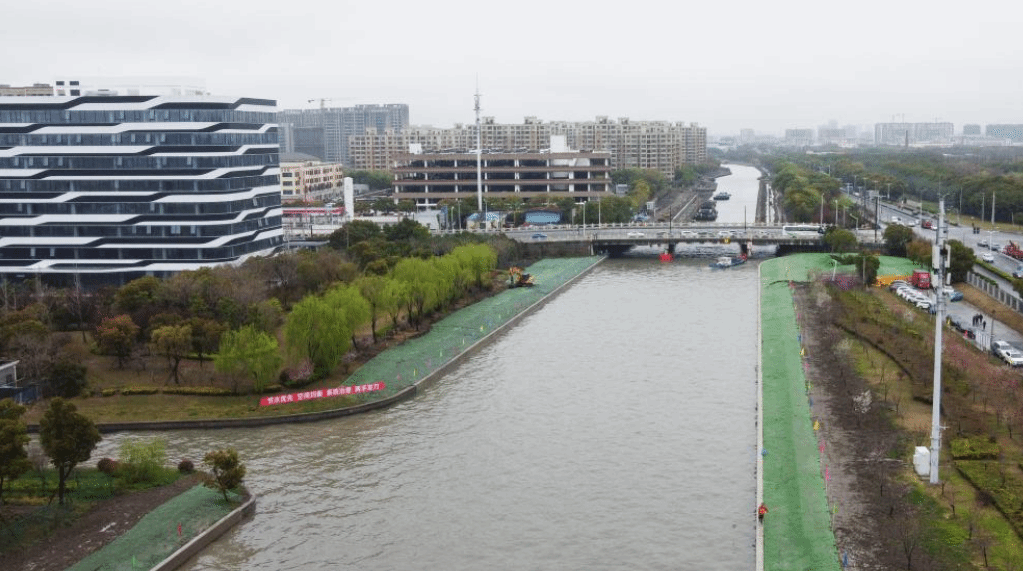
1008	132
659	145
324	133
111	187
905	134
32	90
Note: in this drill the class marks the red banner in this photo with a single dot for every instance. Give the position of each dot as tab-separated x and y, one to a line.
321	393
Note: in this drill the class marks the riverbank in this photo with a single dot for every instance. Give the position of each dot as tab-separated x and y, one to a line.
413	366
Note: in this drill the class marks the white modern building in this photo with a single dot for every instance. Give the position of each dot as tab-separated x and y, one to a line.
109	187
310	180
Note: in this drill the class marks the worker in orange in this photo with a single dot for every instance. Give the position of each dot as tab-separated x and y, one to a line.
762	511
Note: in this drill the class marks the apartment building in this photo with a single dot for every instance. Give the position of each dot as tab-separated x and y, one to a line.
906	134
325	132
307	179
112	187
658	145
36	89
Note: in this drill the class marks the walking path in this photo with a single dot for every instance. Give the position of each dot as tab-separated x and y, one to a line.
792	481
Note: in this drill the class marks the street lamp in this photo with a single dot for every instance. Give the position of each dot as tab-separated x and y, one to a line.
836	213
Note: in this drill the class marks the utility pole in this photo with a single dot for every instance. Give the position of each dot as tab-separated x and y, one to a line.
479	157
939	263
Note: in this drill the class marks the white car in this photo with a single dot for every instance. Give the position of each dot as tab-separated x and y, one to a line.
1013	357
688	234
635	234
987	257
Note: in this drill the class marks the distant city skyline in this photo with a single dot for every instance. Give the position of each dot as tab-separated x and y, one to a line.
766	66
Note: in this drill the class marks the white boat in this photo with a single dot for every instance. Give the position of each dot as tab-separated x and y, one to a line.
727	262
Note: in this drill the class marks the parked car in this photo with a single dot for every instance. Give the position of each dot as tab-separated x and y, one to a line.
539	236
1013	356
1018	272
987	257
952	294
635	234
895	285
999	347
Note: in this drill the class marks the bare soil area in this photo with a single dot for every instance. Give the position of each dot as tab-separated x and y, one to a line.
99	526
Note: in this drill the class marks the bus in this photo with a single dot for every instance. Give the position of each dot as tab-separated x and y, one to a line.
802	230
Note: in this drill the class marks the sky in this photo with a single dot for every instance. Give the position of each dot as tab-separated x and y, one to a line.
767	66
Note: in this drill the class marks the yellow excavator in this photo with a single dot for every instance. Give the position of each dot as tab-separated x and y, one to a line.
518	279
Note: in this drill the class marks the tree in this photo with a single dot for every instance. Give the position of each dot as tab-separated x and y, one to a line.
13	439
116	335
839	240
66	378
226	470
249	352
317	330
206	335
355	309
68	438
372	289
354	232
896	237
961	260
173	342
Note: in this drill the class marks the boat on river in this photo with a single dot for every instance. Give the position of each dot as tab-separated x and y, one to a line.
727	262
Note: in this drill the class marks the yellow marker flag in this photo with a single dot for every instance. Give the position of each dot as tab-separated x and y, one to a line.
816	425
802	351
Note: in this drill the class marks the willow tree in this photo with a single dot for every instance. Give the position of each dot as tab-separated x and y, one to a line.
249	352
318	331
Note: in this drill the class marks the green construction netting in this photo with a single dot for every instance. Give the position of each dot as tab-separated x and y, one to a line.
800	267
156	536
797	529
403	365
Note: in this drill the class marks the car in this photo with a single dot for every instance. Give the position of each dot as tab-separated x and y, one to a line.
662	233
896	220
927	224
726	233
952	294
995	247
999	346
983	243
960	326
1018	272
895	285
1013	356
635	234
688	234
987	257
539	236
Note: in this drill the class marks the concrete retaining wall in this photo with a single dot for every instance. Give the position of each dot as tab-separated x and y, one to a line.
198	543
1006	298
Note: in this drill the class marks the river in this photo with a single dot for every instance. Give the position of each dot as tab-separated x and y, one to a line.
612	429
743	185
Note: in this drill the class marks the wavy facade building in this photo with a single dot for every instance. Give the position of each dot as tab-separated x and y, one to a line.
109	188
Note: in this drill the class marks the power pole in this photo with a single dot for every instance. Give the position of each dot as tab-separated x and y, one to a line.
939	262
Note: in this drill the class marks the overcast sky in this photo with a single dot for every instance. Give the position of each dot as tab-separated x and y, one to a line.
766	65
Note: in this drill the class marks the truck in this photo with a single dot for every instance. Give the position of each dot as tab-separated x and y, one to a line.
1012	250
921	279
926	224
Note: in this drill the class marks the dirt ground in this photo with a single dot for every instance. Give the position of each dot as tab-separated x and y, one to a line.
856	439
101	525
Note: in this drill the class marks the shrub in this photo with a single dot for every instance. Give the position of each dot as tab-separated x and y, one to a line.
107	465
110	392
139	391
141	461
197	391
975	448
186	466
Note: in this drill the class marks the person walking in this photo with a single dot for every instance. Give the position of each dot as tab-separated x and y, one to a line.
761	512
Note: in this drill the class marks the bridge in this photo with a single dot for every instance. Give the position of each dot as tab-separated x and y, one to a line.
617	238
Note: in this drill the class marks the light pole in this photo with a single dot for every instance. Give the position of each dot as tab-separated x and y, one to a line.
939	319
836	213
834	267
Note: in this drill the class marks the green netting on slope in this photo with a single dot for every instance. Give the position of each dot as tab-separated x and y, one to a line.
156	535
799	267
797	530
405	364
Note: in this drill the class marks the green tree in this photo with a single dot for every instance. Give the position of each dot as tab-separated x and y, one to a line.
960	261
354	232
173	342
13	439
66	378
376	180
116	336
840	241
896	238
226	470
68	438
355	309
317	330
372	289
249	352
206	335
142	461
423	279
